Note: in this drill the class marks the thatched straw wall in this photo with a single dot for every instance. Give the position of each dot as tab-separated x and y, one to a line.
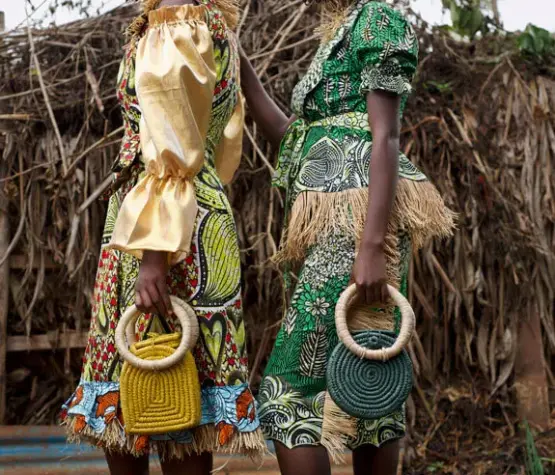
480	125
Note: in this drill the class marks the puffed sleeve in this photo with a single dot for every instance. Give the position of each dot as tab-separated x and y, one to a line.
386	49
175	80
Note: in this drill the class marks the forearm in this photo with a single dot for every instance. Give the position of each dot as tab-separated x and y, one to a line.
264	111
382	186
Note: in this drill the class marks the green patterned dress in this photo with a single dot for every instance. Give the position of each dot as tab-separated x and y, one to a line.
324	168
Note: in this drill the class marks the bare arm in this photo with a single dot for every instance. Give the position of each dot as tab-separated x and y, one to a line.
265	112
369	271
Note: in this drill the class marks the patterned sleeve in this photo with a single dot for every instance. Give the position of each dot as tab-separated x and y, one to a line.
386	49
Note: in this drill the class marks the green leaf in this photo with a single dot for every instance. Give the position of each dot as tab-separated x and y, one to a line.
467	17
533	462
476	20
536	42
442	87
435	467
456	15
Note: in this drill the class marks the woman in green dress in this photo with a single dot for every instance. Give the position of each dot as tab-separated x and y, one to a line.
355	209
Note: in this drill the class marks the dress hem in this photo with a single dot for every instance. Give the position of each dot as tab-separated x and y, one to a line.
206	438
337	456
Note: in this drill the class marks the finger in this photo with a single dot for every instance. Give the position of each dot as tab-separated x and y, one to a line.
385	294
163	289
138	299
147	301
375	295
141	303
157	302
360	296
369	296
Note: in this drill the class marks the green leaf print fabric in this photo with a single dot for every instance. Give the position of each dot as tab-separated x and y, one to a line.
324	165
329	148
386	50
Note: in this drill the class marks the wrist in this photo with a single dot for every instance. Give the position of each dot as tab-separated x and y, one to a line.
150	256
372	244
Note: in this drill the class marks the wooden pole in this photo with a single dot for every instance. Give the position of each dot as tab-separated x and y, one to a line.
66	340
4	281
4	284
4	296
530	375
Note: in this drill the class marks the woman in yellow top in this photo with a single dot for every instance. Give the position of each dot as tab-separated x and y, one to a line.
170	231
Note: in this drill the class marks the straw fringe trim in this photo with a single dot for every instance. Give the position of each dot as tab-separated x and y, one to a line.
338	428
205	439
334	13
229	9
138	24
418	210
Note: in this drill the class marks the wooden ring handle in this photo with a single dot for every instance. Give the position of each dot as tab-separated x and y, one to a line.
190	332
408	323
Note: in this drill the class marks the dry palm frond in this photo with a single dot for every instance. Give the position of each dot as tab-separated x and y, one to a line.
494	165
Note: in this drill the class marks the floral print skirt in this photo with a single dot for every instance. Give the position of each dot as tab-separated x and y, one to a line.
292	394
209	280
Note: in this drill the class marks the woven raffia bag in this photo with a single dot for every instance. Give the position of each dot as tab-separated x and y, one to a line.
370	372
159	385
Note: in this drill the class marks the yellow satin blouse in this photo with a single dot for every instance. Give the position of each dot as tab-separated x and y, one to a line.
175	80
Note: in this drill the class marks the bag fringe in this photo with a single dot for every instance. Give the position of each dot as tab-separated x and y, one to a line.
423	213
418	211
230	11
338	428
205	439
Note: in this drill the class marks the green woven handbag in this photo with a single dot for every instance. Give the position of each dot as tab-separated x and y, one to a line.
370	372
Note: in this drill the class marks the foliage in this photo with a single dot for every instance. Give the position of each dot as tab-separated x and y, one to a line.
436	467
441	87
536	42
533	462
470	17
467	16
84	8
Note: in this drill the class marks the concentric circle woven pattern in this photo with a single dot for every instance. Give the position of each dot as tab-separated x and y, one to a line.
369	389
157	402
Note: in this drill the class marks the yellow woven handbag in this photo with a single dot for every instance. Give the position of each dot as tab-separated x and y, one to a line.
159	385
